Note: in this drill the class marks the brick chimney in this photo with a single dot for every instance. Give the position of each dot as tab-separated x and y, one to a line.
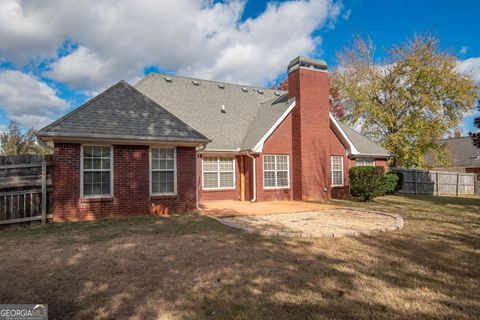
308	82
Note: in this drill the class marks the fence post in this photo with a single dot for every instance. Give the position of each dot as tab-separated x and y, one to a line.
44	191
437	182
416	187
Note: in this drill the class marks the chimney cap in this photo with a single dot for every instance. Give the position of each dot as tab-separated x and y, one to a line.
307	63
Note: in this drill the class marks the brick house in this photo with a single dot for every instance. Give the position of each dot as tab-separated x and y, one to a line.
179	141
463	155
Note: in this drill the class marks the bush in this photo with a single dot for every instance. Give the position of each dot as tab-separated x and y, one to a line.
390	182
366	182
400	179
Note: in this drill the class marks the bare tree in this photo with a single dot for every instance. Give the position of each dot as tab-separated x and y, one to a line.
408	99
14	142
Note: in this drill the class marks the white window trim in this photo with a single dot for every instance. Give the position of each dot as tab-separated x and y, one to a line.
150	170
218	177
81	172
331	172
288	172
365	159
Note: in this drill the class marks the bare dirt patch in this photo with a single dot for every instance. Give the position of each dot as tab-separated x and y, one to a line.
326	223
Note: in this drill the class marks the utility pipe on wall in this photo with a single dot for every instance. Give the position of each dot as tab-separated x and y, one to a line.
254	180
197	181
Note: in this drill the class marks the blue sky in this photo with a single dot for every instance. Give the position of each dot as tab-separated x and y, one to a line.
56	55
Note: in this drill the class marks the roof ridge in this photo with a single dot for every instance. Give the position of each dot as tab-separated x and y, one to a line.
155	74
144	96
81	107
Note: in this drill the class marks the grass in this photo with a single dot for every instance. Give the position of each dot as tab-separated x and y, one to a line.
191	267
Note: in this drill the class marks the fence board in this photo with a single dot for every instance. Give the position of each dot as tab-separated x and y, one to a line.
25	188
437	182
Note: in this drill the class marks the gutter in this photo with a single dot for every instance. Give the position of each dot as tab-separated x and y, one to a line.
254	199
197	205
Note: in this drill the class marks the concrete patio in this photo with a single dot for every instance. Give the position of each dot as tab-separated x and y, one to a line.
228	208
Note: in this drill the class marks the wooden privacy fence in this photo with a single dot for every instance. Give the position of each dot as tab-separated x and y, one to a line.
25	188
437	182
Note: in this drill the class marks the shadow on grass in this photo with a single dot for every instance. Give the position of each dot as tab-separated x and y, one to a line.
192	267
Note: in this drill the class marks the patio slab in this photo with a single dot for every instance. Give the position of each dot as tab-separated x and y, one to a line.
229	208
334	222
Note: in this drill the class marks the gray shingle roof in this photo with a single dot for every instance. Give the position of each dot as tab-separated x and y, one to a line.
462	152
122	112
233	117
364	145
249	112
265	118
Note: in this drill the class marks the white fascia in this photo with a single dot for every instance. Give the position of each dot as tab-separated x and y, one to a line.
353	150
259	146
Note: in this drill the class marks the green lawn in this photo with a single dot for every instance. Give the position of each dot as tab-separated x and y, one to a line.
191	267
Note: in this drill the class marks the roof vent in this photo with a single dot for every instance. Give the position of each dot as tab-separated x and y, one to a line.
276	93
195	82
223	109
260	91
244	89
168	79
221	86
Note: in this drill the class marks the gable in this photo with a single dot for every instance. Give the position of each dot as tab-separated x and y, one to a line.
122	112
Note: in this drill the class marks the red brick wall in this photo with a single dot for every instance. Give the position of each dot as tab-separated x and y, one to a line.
279	143
378	162
473	170
130	186
311	133
338	149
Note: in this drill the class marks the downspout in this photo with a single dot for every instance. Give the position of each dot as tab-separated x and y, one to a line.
254	178
197	177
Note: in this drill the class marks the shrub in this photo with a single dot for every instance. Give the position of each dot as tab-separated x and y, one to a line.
390	182
366	182
400	179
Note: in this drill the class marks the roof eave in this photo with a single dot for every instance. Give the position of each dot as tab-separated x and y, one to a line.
48	137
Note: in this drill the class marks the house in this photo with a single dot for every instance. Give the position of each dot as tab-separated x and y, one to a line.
464	156
178	141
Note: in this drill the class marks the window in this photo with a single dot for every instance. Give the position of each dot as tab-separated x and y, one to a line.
163	171
218	173
96	171
364	162
336	170
276	171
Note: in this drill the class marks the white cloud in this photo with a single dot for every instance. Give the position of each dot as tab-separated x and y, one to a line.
472	67
80	68
194	37
3	128
346	14
28	100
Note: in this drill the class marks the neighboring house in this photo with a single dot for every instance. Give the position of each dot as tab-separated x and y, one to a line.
176	141
464	156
